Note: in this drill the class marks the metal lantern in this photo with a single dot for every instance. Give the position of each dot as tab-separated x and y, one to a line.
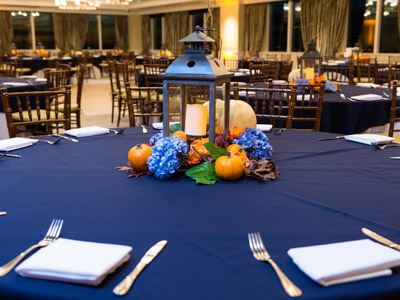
196	68
356	53
310	62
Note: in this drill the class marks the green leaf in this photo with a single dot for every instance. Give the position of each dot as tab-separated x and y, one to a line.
174	127
215	151
205	180
197	171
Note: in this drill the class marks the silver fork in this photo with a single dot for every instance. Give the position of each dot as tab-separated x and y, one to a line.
260	253
348	98
378	146
51	235
50	142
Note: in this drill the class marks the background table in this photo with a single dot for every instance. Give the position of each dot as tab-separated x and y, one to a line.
327	192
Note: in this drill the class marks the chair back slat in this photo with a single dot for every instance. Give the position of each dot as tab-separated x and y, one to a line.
339	73
261	73
394	110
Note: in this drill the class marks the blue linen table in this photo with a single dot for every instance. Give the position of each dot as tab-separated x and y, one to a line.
326	193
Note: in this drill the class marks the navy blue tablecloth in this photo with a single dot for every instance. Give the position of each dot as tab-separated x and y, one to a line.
31	85
326	193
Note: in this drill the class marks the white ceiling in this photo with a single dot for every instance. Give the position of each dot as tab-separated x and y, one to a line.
136	7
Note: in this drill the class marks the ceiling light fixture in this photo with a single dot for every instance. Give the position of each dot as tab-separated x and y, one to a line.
87	4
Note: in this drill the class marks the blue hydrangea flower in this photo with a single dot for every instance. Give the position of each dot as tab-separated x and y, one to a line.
255	143
301	81
164	161
330	87
155	138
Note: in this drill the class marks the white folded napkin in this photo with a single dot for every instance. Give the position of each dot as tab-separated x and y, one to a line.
41	79
160	125
264	127
15	83
244	70
244	93
75	261
279	82
367	97
345	262
28	76
369	139
87	131
368	85
239	74
16	143
306	97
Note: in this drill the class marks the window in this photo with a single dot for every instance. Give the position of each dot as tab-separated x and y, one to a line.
297	41
44	29
108	31
390	41
278	25
22	30
92	37
362	24
197	18
157	31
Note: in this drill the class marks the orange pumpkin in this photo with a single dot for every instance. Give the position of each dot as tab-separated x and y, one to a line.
237	150
180	134
138	156
229	167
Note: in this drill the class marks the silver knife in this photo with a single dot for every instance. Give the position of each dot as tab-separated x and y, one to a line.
380	238
123	287
66	138
394	157
332	138
3	213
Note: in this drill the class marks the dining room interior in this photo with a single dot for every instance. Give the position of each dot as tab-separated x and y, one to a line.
251	148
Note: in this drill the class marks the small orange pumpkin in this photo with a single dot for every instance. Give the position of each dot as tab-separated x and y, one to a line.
180	134
237	150
229	167
138	156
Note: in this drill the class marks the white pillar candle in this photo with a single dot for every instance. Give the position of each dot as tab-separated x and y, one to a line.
310	73
196	120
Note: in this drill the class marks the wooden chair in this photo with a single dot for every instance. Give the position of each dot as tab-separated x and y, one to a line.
394	59
339	73
365	71
149	104
57	79
115	90
20	67
286	68
273	104
394	110
76	108
261	73
151	72
271	56
8	69
30	113
233	64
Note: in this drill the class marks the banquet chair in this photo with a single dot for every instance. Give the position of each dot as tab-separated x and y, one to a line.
148	106
151	72
233	64
339	73
270	57
37	119
394	59
76	108
57	79
117	72
273	104
20	68
286	57
115	90
88	62
286	68
261	73
8	69
394	110
365	71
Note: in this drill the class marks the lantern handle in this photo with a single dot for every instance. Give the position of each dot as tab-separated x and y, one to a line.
198	28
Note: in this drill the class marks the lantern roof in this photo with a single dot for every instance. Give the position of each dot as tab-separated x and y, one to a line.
197	37
311	52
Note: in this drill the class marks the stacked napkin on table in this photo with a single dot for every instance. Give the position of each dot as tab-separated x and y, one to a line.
16	143
87	131
369	139
346	261
367	97
75	261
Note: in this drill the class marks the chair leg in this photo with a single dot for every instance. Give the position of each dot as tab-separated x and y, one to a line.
112	108
119	110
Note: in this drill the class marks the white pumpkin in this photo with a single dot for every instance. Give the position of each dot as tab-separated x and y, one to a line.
241	114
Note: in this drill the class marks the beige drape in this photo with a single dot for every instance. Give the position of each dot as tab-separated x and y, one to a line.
322	20
70	31
121	32
6	32
214	22
177	24
146	33
254	29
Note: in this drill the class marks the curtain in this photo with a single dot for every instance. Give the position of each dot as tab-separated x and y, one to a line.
121	32
322	20
254	31
146	34
177	24
214	22
6	32
70	31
